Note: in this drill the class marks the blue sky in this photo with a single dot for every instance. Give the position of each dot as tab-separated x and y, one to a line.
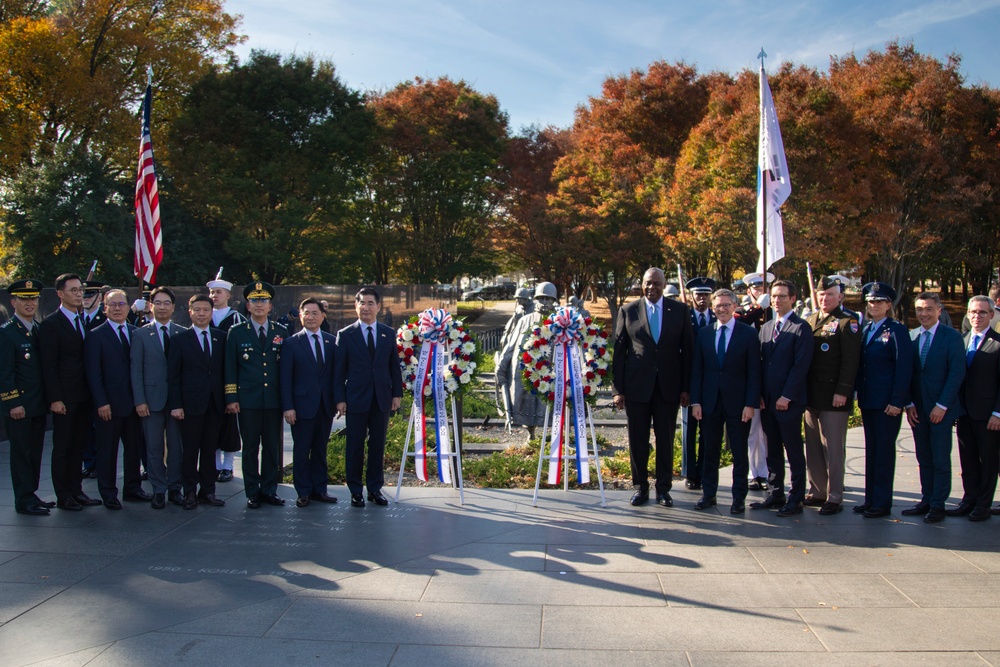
542	59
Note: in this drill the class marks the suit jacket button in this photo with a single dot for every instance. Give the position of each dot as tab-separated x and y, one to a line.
265	384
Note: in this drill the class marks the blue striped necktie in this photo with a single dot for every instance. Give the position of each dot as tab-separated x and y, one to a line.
925	347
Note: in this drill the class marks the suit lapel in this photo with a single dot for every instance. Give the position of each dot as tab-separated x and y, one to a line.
643	320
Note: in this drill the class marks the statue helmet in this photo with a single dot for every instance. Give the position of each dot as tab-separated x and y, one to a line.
546	289
524	293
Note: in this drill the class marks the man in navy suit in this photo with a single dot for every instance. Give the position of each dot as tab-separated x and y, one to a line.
368	384
692	455
196	398
306	377
938	371
108	360
979	427
654	345
725	393
61	336
786	346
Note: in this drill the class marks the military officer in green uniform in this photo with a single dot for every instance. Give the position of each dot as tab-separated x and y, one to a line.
253	351
22	396
830	390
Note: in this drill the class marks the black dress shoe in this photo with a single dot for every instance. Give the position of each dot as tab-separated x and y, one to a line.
176	497
861	509
737	507
357	500
704	503
224	476
934	516
757	484
692	484
210	499
274	499
964	508
790	509
876	512
377	498
980	514
812	501
69	504
33	510
253	502
995	510
139	496
89	473
113	504
639	498
917	510
44	504
664	500
302	501
830	508
190	501
159	501
773	501
86	501
322	497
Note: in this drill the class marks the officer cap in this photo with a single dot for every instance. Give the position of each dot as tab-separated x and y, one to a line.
27	289
829	281
701	285
756	279
877	291
258	290
92	287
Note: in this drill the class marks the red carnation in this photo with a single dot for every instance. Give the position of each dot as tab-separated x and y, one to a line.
586	391
535	384
526	358
540	365
602	371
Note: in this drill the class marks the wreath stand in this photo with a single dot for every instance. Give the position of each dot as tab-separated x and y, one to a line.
456	478
569	454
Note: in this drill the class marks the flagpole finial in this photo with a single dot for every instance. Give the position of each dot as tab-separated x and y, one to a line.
762	55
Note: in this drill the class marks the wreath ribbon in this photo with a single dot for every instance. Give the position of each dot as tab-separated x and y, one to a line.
567	362
433	326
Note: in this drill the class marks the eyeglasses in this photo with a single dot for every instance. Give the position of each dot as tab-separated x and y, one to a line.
72	290
723	306
116	304
781	296
981	313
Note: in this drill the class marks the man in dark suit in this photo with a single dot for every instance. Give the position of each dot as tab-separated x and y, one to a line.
654	346
786	346
196	398
108	359
938	370
150	346
22	396
979	427
725	394
253	354
367	385
692	458
307	401
830	389
93	316
66	390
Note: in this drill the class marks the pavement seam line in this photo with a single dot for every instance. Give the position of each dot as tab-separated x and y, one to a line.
968	561
911	600
798	612
756	560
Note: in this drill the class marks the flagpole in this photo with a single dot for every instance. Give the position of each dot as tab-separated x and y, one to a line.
760	173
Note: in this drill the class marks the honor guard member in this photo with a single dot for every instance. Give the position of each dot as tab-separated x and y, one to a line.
22	396
702	316
830	390
93	304
224	317
757	311
253	393
141	312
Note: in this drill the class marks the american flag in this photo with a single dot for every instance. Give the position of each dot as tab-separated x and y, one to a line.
148	236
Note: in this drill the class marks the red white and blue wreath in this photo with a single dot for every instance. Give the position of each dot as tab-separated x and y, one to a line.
566	357
438	358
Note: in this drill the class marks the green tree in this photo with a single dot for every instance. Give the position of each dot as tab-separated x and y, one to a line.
268	152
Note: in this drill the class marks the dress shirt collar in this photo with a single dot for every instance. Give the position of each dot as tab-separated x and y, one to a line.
28	324
650	304
933	329
70	315
200	331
